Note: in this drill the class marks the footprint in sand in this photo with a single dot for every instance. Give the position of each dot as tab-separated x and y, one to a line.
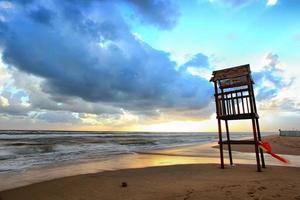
261	188
251	194
256	182
227	189
188	194
276	195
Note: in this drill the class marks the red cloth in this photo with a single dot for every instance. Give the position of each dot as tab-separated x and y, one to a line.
268	149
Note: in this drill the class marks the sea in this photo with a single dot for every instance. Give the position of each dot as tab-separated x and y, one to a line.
22	150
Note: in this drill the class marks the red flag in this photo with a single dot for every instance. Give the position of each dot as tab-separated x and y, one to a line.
268	149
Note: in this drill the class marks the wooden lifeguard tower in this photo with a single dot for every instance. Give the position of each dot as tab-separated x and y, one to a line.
235	100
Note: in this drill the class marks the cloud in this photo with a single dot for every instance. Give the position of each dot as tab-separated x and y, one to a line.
12	104
161	13
271	79
6	5
42	15
271	2
198	61
198	65
240	3
57	117
282	105
3	102
22	2
81	57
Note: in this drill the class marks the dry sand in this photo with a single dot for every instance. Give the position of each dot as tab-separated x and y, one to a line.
185	182
279	144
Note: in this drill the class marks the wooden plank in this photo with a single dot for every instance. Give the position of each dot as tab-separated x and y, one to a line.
239	142
229	98
233	82
239	90
227	104
239	117
233	72
247	103
232	102
243	102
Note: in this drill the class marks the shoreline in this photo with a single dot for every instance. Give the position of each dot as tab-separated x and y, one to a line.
182	155
117	162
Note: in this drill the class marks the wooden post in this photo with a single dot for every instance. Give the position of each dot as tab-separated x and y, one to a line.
219	126
256	146
253	110
225	112
261	151
258	129
221	144
229	144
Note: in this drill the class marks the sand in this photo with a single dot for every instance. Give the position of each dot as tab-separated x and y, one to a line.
185	182
279	144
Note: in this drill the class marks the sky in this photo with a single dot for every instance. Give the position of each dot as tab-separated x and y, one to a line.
144	65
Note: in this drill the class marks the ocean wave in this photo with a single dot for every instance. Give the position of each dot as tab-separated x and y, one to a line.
21	150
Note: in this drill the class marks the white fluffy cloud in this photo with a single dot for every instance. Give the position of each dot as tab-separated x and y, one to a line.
271	2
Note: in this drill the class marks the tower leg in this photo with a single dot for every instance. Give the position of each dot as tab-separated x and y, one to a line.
229	145
256	146
261	151
221	143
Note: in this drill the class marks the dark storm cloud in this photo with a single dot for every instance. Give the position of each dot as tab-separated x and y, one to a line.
91	54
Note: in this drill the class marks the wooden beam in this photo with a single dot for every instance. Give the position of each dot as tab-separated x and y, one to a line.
233	72
240	142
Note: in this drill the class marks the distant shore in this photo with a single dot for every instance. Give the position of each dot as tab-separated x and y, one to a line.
280	145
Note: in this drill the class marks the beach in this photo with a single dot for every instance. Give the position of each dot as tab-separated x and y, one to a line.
187	172
204	181
190	172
